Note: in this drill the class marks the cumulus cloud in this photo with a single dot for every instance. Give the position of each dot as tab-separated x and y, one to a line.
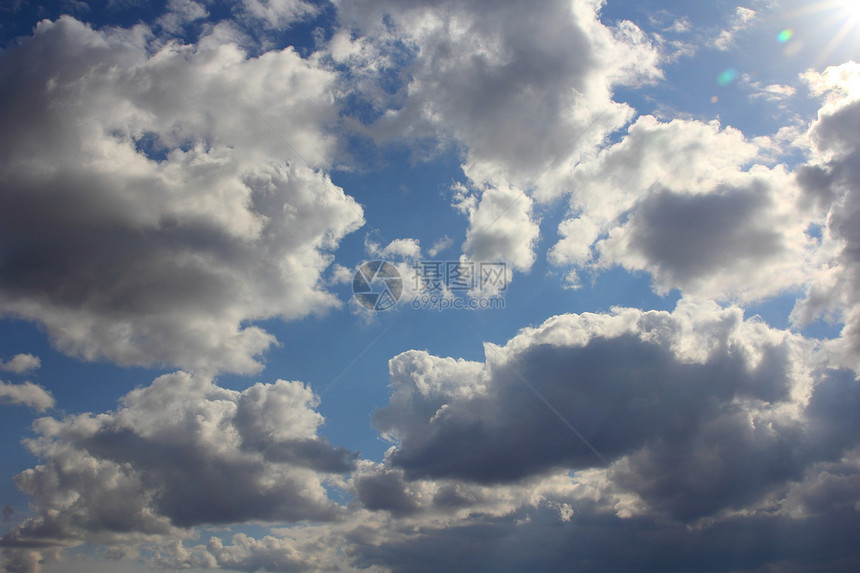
21	561
151	209
665	429
687	202
179	453
21	363
712	429
830	182
28	394
699	424
144	224
424	418
700	390
501	226
521	88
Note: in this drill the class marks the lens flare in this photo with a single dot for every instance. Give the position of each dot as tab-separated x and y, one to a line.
727	77
785	35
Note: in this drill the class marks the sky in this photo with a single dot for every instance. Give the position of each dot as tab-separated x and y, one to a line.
413	285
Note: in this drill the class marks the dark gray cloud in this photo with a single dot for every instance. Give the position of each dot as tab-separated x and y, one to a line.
720	449
696	412
723	451
604	543
384	489
685	238
179	453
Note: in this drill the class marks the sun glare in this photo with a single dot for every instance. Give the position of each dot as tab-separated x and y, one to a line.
852	8
839	20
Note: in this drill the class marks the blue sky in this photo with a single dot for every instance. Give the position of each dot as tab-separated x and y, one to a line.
668	380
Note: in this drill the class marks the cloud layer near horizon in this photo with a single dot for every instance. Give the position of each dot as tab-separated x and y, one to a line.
179	453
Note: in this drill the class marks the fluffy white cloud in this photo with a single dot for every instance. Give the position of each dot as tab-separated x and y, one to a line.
179	453
681	201
151	208
407	248
830	182
524	89
501	226
21	363
28	394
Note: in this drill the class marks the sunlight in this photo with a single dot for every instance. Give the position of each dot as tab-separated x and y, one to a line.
841	22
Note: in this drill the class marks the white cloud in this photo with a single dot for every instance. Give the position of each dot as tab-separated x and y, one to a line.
686	202
28	394
772	92
501	226
149	209
649	431
680	25
830	182
742	19
21	363
524	89
277	14
440	245
406	248
180	13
